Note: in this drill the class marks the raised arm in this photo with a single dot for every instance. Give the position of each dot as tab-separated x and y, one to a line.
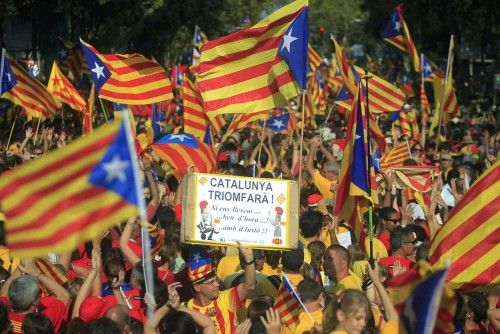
248	284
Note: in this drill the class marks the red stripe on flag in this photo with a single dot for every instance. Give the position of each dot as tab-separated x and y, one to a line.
75	226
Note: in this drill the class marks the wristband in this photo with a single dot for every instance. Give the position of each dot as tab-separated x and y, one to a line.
249	263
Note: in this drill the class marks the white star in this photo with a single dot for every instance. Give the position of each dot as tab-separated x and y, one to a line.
115	169
181	138
62	53
397	26
357	137
287	40
8	77
427	68
98	70
196	257
278	123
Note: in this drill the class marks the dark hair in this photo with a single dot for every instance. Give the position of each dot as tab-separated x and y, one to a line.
4	317
135	326
419	232
398	237
112	265
177	322
309	290
311	223
258	307
267	175
76	326
37	323
478	304
292	260
166	216
386	211
273	258
103	326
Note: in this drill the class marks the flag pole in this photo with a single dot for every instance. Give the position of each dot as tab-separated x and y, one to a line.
103	110
37	128
224	137
285	278
304	92
369	181
13	124
147	265
262	137
441	111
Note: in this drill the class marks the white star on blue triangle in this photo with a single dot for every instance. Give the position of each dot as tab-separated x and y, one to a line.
183	138
427	68
293	47
393	28
114	172
8	79
98	71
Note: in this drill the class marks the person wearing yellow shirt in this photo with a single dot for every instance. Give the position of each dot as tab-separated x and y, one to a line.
310	225
221	306
336	266
347	315
311	294
323	181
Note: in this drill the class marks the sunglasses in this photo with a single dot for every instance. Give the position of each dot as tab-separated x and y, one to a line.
394	220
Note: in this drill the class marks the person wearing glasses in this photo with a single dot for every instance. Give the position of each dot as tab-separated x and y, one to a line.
221	306
403	243
389	220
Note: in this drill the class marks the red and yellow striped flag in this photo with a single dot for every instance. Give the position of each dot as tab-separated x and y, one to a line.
396	156
62	89
26	91
129	78
346	71
333	79
470	239
88	113
242	121
424	102
287	304
181	156
195	120
71	195
313	58
404	122
242	72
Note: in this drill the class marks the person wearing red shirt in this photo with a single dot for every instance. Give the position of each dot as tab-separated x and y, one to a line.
390	219
402	248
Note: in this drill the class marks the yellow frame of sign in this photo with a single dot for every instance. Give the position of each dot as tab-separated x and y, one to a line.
191	201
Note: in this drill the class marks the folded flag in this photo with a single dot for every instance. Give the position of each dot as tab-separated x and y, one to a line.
63	89
129	78
471	236
257	68
417	178
195	120
397	33
287	303
71	195
181	151
22	89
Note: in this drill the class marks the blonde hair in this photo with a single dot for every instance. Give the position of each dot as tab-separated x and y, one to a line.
349	302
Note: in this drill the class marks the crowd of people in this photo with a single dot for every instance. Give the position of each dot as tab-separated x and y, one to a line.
100	287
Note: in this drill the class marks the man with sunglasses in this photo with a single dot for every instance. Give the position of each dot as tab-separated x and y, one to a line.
402	249
221	306
389	220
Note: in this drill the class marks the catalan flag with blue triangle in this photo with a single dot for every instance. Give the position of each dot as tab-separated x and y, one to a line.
71	195
257	68
397	33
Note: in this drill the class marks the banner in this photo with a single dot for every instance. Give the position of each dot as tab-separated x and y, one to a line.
220	210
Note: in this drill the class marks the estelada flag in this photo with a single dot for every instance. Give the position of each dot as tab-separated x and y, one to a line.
71	195
127	78
470	239
22	89
258	68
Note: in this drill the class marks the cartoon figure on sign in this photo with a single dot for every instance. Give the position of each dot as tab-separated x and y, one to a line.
276	222
205	225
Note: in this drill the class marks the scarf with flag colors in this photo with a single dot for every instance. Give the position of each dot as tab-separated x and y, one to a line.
181	151
22	89
287	303
62	89
397	33
471	236
258	68
129	78
81	189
